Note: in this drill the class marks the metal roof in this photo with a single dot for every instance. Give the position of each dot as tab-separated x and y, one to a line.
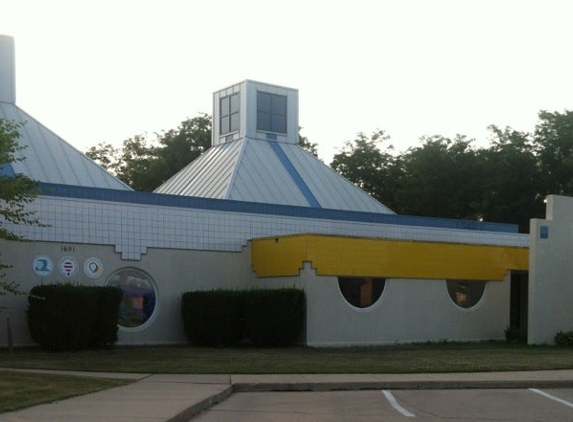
269	172
50	159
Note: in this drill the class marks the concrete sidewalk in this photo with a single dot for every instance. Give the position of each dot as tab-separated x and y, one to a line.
176	398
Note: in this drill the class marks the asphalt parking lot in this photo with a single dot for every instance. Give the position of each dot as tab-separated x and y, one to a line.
472	405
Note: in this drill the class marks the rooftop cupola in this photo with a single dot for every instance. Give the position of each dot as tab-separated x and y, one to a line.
256	157
255	110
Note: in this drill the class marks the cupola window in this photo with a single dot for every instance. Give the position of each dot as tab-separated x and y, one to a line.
271	112
229	109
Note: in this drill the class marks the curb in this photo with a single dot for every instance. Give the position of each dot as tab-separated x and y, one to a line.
199	407
263	387
399	385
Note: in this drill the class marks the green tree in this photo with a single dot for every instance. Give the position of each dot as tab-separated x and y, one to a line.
16	192
441	178
512	183
307	145
178	147
450	178
145	163
107	156
134	165
131	163
376	171
553	144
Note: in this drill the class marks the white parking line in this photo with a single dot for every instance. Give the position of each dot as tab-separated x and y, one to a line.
396	405
549	396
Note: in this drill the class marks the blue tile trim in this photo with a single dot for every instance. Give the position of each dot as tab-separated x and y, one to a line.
6	170
146	198
298	180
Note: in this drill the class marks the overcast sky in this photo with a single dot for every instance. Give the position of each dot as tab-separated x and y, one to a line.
104	71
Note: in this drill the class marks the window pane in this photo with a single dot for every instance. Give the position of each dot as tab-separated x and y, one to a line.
138	302
465	294
234	125
234	108
278	123
224	125
263	121
361	292
278	104
224	109
263	102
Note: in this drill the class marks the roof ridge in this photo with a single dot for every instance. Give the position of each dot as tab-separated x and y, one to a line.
239	158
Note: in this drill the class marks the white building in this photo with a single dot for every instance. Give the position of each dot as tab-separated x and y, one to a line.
256	210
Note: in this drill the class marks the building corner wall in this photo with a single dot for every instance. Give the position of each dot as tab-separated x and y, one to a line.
551	272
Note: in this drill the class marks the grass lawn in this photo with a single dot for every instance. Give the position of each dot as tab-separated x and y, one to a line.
434	357
19	390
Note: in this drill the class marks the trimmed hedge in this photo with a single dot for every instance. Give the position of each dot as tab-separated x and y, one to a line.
107	317
228	317
70	317
214	318
275	317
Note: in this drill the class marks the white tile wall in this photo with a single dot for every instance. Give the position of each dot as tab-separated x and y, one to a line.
132	228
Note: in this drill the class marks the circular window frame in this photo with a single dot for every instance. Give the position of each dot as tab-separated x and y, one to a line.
477	304
375	302
154	286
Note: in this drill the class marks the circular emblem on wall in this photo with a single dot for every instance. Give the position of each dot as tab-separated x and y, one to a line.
68	267
93	268
42	266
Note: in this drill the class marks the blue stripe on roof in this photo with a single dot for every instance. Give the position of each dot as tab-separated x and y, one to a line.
157	199
7	170
296	177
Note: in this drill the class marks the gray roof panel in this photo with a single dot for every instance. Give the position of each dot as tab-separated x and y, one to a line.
50	159
262	178
209	176
269	172
329	188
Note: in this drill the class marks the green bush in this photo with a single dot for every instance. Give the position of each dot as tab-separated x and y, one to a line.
214	318
272	317
275	317
564	338
105	326
69	317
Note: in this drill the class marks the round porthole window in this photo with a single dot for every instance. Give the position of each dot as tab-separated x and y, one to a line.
361	292
464	293
139	296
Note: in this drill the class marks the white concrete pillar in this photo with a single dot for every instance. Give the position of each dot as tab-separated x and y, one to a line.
7	70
